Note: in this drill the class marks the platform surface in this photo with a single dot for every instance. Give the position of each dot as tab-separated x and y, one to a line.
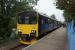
56	40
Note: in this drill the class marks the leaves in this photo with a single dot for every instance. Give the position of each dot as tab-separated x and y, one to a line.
69	8
8	14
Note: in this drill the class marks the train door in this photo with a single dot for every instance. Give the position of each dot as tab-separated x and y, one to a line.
39	25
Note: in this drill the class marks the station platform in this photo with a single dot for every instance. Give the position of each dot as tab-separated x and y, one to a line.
56	40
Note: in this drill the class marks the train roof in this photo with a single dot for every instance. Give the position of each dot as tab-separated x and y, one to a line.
34	13
27	12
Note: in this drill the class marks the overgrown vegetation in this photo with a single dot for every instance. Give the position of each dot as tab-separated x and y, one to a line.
8	14
69	8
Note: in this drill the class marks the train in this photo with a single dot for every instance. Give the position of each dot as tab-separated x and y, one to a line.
31	25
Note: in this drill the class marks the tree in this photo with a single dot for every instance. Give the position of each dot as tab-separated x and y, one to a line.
68	7
8	13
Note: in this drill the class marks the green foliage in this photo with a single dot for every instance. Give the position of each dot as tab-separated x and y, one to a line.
8	14
69	8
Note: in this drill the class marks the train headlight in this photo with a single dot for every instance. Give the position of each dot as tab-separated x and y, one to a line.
19	30
33	31
33	34
19	33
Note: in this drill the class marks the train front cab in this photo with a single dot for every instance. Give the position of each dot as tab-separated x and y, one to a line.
27	28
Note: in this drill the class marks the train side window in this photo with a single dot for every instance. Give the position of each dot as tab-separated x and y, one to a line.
42	21
46	21
49	21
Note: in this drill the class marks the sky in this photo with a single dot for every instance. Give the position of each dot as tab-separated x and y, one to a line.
48	7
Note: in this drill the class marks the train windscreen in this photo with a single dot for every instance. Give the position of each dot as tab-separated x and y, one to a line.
27	18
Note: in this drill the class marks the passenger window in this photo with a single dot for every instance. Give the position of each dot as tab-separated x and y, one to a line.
49	21
42	21
46	21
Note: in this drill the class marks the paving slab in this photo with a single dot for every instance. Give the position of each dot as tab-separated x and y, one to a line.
56	40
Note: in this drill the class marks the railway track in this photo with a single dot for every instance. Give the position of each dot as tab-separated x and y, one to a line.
14	45
19	47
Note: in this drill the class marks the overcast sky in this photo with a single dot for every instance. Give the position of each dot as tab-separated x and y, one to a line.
48	7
